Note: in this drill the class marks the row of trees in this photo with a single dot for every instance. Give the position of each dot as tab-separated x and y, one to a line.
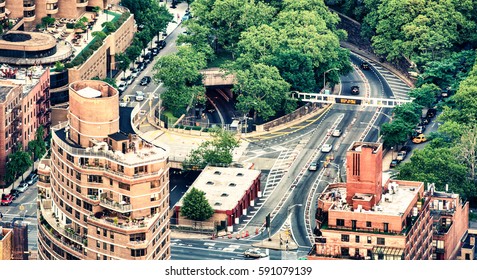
152	19
275	46
19	161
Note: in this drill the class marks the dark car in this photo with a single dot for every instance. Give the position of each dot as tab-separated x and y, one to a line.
431	113
145	81
155	51
15	194
394	163
425	121
365	66
355	90
161	44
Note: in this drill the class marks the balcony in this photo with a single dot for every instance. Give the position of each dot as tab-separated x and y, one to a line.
137	244
81	3
29	6
118	221
121	175
121	207
65	244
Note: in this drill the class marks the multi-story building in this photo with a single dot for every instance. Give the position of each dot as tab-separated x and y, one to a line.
104	193
32	11
24	107
366	219
451	222
6	243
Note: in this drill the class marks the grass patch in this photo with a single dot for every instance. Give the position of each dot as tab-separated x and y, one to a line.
220	59
170	116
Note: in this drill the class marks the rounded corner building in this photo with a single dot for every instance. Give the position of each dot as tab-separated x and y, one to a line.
104	192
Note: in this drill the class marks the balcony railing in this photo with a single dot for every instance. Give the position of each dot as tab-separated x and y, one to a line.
79	152
120	174
114	205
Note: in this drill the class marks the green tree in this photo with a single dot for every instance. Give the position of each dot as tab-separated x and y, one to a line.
47	21
195	206
261	89
38	146
395	133
410	113
109	27
217	151
439	166
123	61
425	95
18	162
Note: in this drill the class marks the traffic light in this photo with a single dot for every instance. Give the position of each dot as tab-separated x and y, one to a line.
267	221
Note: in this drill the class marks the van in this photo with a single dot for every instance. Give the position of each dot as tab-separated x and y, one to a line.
421	138
124	101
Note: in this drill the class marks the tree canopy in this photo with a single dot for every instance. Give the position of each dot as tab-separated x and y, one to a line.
195	206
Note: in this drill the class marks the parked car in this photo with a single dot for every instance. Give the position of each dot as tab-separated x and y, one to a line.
313	166
139	95
155	51
32	180
254	253
326	148
393	163
23	187
15	194
431	113
336	133
161	44
402	154
124	101
7	199
365	66
420	129
355	90
135	73
421	138
122	86
129	80
145	80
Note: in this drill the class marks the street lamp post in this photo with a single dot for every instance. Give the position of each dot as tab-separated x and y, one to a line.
324	76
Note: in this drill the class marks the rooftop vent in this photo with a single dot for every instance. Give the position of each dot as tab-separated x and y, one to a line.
224	194
210	183
217	204
232	185
239	174
217	172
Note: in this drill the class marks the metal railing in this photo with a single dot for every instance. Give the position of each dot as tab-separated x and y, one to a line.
106	202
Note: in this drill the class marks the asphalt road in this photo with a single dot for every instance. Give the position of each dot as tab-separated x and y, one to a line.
28	200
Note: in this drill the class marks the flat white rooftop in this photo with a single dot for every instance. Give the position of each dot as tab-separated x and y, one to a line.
224	187
89	92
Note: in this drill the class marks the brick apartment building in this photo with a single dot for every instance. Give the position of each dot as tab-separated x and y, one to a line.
24	107
366	219
32	11
104	192
451	222
6	243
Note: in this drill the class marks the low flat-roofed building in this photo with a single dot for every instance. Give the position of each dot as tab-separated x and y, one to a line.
229	191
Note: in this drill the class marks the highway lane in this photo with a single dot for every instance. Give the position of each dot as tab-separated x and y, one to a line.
218	249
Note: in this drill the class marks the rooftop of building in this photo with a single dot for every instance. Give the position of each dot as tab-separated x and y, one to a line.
26	77
358	146
224	186
143	152
93	89
396	198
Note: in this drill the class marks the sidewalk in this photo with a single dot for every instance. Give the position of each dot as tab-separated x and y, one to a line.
17	182
282	240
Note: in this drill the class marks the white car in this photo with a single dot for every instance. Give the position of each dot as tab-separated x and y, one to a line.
23	187
122	86
254	253
326	148
139	95
336	133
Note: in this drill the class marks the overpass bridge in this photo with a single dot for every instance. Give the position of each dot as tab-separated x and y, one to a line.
351	100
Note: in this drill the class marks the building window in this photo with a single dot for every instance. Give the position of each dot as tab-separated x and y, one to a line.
105	232
369	239
111	234
105	257
353	224
386	227
105	246
344	251
98	244
98	231
78	189
345	238
380	241
95	179
111	248
357	238
368	224
124	186
60	151
340	222
70	158
98	257
138	252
